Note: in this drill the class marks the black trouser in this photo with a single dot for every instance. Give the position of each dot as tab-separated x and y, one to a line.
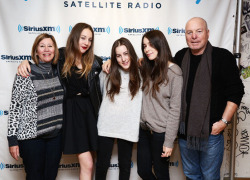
149	149
41	157
105	147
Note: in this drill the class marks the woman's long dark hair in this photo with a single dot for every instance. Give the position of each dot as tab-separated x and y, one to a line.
155	70
114	79
72	51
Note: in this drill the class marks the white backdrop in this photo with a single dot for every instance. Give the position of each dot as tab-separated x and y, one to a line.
22	20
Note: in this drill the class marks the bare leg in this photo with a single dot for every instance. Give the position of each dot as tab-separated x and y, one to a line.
86	165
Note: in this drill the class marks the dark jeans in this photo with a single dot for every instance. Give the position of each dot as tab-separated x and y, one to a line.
41	157
105	146
149	149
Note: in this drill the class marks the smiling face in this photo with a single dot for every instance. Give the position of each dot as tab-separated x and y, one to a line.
46	50
85	40
197	35
123	57
149	50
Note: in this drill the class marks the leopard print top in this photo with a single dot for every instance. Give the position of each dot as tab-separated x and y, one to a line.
22	120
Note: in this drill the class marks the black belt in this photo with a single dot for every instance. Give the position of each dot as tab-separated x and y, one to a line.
144	126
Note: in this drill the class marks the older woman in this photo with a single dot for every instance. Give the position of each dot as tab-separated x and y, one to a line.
35	118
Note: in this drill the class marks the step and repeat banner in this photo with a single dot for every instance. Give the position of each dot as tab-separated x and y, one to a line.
22	20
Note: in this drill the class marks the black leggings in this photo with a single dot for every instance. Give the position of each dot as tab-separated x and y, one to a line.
149	149
105	147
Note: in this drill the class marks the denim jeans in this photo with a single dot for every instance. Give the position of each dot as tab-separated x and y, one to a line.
41	157
105	147
149	149
200	165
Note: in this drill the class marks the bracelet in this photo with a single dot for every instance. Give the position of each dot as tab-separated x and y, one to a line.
225	121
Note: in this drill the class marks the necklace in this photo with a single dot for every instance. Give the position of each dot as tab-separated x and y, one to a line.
52	90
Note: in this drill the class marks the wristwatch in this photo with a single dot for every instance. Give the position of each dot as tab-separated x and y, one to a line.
225	121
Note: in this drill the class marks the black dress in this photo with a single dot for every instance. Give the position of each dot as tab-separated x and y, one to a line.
80	127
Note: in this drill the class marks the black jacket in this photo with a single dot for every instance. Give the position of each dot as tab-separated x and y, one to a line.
226	82
93	80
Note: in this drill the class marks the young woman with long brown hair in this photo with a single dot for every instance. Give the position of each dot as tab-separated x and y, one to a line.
119	114
80	74
160	115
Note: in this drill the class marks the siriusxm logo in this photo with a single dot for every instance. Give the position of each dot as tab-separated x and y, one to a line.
2	166
101	29
198	1
134	30
176	163
11	166
70	28
97	29
72	165
116	165
39	29
175	31
105	58
18	57
5	112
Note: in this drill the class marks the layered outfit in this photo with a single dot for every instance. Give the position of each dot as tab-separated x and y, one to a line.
82	102
117	120
160	118
210	81
35	121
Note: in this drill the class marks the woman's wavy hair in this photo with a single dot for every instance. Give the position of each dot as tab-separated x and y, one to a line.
155	70
72	51
114	79
38	39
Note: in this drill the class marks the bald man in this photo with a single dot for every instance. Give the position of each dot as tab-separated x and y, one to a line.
211	94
